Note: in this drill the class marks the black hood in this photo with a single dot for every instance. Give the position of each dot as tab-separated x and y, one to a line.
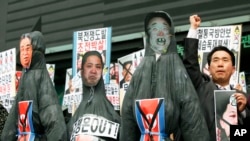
37	41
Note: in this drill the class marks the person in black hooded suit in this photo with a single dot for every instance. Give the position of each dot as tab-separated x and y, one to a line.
95	118
162	76
44	116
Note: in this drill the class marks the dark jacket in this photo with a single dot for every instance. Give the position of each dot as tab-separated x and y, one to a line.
165	78
203	84
3	117
94	101
37	86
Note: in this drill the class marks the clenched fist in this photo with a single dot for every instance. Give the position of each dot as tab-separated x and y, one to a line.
195	21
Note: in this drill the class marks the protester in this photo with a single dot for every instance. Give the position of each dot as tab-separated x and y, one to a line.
221	65
36	113
161	79
95	118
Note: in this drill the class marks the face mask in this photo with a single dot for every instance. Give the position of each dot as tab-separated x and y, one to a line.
159	37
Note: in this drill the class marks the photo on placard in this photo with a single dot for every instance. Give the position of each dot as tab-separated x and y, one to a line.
225	113
51	71
127	65
205	63
114	73
70	88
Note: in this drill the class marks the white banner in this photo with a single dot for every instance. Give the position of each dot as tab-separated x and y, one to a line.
94	125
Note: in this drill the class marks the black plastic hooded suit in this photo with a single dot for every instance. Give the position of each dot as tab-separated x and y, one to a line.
36	85
94	102
164	78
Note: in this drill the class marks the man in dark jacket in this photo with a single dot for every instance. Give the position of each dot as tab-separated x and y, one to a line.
221	63
36	113
161	80
95	118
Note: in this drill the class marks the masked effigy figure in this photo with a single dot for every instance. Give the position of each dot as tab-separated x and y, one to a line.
36	113
161	102
95	118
